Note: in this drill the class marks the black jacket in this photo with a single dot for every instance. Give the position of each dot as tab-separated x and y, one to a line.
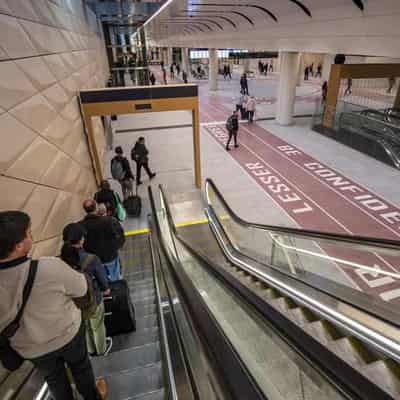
140	153
235	123
104	237
125	165
106	196
243	81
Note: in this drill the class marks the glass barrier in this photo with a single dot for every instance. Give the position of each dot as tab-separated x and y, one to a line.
279	372
367	268
267	358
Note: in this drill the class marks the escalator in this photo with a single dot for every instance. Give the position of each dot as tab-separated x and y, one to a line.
350	335
233	310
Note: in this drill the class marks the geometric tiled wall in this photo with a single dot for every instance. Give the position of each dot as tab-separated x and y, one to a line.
48	51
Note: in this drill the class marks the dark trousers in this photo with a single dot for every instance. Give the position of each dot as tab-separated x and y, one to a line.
139	166
75	356
244	90
250	115
232	132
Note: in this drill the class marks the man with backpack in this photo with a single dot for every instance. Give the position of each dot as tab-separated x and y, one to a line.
139	154
121	171
39	319
104	237
75	256
232	126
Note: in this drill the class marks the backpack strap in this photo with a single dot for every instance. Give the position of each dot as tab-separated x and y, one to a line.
13	326
87	261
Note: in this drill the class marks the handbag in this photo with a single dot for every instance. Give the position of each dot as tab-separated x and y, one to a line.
10	359
120	211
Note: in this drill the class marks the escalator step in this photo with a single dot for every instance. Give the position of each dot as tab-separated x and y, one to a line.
148	322
387	373
131	384
156	395
143	309
323	331
135	339
127	360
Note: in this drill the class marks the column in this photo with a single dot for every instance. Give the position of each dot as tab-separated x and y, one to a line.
329	59
213	69
289	67
246	64
300	74
185	61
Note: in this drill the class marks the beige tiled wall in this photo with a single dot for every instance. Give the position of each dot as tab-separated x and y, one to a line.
49	50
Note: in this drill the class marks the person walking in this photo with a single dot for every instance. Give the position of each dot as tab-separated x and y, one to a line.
244	88
265	69
225	72
50	332
324	92
271	67
228	71
349	86
319	71
139	154
232	125
171	71
178	69
306	72
152	79
392	82
104	237
75	256
121	171
251	108
184	76
164	74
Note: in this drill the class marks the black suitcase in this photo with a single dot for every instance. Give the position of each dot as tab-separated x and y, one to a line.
119	310
133	205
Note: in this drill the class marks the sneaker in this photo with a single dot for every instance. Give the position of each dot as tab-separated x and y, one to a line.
152	175
102	388
109	343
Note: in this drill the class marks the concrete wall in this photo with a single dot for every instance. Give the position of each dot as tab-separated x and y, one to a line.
49	50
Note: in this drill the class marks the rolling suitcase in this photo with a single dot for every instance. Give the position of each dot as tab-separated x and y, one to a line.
133	205
119	310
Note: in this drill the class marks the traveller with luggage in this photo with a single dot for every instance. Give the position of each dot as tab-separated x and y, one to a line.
75	256
140	155
104	237
39	319
121	171
232	126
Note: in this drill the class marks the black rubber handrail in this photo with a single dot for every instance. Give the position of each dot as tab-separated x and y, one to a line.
351	239
240	383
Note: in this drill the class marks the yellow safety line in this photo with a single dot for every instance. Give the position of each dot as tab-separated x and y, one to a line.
195	222
179	225
137	232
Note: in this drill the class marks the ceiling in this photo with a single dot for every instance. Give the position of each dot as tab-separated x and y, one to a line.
368	27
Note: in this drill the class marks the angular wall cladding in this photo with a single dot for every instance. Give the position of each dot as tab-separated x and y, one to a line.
49	50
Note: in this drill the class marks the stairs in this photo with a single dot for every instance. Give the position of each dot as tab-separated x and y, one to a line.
133	369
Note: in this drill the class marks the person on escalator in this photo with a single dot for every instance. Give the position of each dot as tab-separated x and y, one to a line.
104	237
121	171
49	332
74	255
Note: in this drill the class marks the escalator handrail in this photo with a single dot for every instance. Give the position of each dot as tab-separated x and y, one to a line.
239	377
173	395
263	277
308	233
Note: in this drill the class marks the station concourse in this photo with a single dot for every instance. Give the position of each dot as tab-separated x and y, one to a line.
270	271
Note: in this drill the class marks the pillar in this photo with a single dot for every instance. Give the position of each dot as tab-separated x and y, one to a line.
300	73
213	69
289	67
329	59
185	61
246	64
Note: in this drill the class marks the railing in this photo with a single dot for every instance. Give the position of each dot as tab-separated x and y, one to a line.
329	263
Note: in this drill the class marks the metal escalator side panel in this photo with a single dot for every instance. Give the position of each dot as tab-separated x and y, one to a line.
236	376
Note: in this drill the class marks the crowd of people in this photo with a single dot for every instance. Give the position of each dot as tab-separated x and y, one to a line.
263	68
173	68
52	309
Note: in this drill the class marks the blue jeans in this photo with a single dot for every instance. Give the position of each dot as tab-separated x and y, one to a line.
113	270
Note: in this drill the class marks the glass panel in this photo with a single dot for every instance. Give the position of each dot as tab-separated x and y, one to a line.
365	268
279	372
